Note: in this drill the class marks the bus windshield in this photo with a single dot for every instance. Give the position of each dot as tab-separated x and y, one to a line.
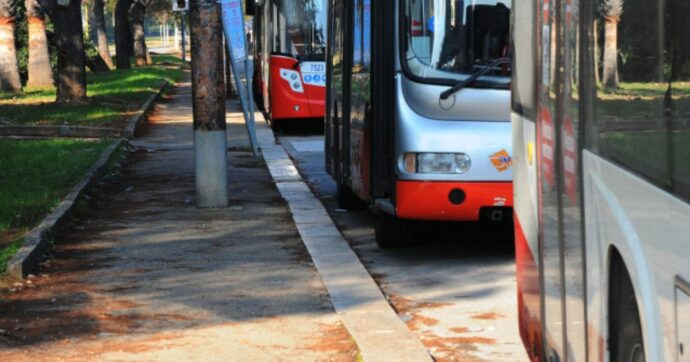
451	39
300	28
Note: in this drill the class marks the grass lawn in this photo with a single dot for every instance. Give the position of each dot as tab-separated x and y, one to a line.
35	175
646	152
649	149
113	97
633	101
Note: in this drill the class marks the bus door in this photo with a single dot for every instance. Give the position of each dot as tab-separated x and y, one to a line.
559	177
359	138
338	112
382	78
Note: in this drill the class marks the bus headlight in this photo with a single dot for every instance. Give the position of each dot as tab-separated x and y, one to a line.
444	163
293	78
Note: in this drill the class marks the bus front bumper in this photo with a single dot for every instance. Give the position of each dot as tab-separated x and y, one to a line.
451	201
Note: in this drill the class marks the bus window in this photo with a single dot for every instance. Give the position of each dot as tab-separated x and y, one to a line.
300	29
677	50
361	47
643	102
447	39
523	61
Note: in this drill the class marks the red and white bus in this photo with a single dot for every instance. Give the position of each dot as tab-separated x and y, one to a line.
602	179
289	59
418	112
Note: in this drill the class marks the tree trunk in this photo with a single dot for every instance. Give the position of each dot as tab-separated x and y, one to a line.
176	35
208	102
71	85
149	60
39	69
610	72
85	21
9	71
595	53
208	86
98	23
123	35
137	14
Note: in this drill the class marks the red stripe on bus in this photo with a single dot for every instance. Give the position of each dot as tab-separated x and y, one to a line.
528	294
429	200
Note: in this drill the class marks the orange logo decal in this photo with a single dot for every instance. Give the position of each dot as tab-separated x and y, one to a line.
501	160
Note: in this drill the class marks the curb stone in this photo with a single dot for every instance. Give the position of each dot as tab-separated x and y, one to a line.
134	124
365	312
36	241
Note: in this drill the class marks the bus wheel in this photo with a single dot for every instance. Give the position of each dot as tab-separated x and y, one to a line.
626	331
347	199
392	232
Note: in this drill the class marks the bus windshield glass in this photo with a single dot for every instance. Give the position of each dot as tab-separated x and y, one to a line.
448	40
299	28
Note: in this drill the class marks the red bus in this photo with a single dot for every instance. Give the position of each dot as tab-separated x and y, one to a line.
289	59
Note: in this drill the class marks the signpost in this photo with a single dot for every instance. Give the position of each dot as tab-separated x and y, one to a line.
182	6
233	27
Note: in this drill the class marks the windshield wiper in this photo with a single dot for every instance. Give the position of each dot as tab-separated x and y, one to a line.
473	77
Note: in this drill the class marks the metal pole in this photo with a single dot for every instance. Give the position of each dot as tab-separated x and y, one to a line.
182	26
208	101
176	35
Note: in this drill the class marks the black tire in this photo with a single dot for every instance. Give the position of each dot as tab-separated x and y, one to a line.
627	344
392	232
347	199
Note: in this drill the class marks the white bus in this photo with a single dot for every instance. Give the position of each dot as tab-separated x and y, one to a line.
601	132
418	111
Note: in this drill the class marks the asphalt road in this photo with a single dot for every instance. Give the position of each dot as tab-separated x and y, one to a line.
455	288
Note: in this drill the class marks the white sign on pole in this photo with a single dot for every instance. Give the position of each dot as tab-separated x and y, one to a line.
233	27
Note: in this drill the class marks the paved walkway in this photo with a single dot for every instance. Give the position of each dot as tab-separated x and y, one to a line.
145	275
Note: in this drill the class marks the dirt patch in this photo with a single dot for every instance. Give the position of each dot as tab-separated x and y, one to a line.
433	305
53	307
416	320
488	316
150	343
8	236
460	330
406	307
454	348
94	348
401	305
336	340
58	304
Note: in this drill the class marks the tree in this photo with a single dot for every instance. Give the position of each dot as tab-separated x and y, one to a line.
123	34
71	85
611	11
136	17
38	67
9	70
98	24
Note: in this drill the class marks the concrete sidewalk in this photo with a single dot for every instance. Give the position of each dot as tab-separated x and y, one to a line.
145	275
